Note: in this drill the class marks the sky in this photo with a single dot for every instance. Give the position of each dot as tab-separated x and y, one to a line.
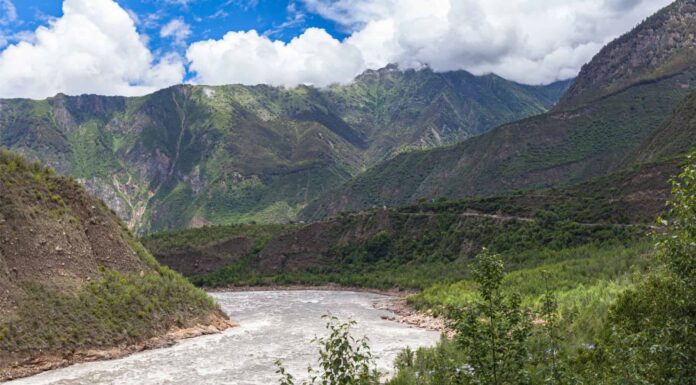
135	47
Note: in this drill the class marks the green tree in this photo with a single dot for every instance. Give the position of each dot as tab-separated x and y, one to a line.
493	331
653	326
552	360
343	359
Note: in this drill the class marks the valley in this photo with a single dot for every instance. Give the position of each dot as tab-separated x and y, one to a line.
547	231
193	155
245	355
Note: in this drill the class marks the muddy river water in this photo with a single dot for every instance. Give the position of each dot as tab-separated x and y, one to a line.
274	325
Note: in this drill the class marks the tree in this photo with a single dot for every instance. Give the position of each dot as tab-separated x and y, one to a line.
343	359
553	365
653	326
492	332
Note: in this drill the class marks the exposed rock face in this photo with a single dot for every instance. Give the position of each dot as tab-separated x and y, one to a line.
235	154
662	46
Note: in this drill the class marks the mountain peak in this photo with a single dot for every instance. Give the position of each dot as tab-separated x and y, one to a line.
662	46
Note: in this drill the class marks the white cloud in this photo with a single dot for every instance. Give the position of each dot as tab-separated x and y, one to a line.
178	30
92	48
249	58
8	14
95	48
530	41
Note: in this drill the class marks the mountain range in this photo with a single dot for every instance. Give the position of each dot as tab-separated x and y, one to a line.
189	156
193	155
619	100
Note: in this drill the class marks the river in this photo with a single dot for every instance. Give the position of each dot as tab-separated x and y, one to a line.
274	325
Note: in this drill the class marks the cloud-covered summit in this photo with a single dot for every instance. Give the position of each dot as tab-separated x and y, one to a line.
94	46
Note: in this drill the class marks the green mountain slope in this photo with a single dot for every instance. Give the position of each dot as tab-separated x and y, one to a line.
425	242
187	156
72	278
567	145
677	136
416	246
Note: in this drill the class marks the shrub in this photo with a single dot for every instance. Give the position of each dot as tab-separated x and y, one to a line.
343	359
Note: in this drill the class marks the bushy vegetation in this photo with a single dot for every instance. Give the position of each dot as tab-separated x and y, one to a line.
651	333
646	332
113	309
184	240
641	329
560	271
421	250
343	359
607	199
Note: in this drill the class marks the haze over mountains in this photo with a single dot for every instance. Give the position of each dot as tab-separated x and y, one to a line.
192	155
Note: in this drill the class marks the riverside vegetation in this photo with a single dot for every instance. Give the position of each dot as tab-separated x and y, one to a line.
643	328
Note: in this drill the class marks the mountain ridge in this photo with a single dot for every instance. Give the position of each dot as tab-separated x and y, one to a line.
661	46
191	155
591	132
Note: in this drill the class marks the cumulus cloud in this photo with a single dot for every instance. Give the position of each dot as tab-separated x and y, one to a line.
92	48
527	41
249	58
532	42
95	48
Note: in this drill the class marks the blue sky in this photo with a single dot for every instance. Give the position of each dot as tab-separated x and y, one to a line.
207	19
133	47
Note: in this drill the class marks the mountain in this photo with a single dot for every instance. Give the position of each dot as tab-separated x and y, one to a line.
582	138
192	155
74	283
662	46
424	244
676	136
